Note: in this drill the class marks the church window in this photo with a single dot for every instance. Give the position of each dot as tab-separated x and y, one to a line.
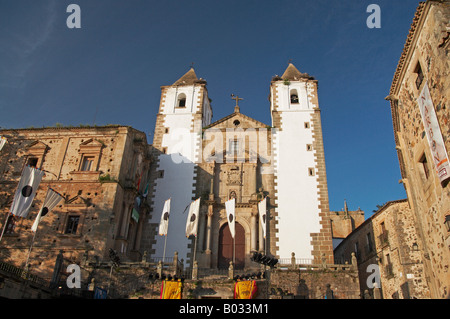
311	171
181	100
234	147
166	130
236	122
307	125
309	147
294	97
72	224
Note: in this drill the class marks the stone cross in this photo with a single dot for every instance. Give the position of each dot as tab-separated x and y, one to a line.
237	99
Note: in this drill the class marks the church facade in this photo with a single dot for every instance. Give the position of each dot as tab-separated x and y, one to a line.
242	158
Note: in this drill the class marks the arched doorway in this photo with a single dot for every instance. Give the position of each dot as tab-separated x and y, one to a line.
226	247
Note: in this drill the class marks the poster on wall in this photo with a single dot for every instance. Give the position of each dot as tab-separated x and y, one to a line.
433	133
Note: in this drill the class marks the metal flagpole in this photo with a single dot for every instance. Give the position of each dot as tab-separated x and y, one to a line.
31	247
195	247
234	251
265	232
167	234
165	242
4	226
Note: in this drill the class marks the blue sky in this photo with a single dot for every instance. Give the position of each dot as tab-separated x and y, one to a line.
111	69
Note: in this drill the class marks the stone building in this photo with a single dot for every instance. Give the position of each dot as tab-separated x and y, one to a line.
419	100
387	250
344	222
242	158
101	173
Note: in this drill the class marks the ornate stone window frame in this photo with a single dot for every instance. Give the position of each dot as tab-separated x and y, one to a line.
90	148
36	149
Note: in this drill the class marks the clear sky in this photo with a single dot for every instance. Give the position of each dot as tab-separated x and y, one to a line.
111	69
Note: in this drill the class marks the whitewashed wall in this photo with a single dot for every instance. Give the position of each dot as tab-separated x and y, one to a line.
182	143
296	190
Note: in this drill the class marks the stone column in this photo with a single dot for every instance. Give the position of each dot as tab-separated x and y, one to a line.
195	271
209	216
201	227
261	238
231	270
254	230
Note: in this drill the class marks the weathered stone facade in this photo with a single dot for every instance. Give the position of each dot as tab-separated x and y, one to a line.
388	242
344	222
100	171
425	63
246	177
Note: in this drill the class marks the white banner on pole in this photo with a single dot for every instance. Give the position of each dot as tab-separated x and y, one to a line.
2	142
164	223
26	190
262	215
434	135
230	208
192	219
51	200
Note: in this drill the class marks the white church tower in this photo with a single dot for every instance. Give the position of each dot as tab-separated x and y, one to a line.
184	109
301	192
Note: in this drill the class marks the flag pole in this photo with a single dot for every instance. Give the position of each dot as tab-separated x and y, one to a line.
265	231
167	234
195	247
4	226
234	253
29	251
165	242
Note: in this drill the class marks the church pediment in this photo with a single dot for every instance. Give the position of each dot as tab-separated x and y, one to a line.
237	120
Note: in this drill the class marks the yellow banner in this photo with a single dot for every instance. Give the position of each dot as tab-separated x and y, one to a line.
244	289
171	289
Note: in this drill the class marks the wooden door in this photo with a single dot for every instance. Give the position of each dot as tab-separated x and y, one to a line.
226	247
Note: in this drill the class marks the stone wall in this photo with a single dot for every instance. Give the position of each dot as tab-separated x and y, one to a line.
425	62
388	242
101	198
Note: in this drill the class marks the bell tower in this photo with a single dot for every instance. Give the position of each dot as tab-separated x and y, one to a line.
301	191
184	109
